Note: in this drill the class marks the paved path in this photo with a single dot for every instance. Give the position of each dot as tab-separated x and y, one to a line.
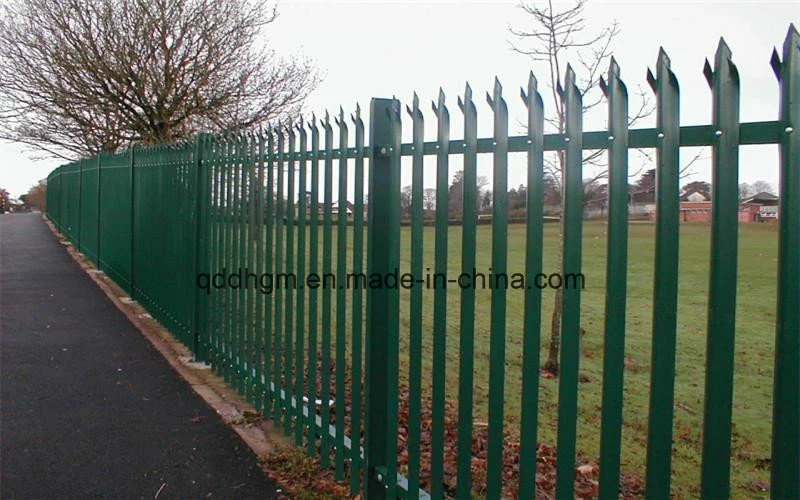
88	408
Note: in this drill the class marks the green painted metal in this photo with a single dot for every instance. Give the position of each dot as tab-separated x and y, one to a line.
289	296
356	463
786	396
415	325
260	330
313	268
382	304
570	302
467	319
327	244
533	296
616	283
155	218
665	286
341	296
248	218
497	339
279	222
440	299
269	268
302	204
724	82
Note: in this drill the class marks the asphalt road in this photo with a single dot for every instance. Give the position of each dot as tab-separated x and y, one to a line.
88	408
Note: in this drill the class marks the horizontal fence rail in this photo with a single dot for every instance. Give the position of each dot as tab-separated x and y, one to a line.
375	382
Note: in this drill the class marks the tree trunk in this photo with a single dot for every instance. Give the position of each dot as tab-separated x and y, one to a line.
551	365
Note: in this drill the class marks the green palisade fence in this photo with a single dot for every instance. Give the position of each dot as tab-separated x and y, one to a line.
346	371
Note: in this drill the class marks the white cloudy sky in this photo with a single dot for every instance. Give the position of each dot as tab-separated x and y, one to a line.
385	48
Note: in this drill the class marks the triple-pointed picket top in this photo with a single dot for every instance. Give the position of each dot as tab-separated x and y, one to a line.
342	123
498	104
327	128
466	105
413	110
359	123
532	98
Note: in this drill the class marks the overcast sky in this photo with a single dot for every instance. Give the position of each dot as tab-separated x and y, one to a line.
380	49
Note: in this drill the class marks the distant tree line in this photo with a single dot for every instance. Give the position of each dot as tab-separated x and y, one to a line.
595	193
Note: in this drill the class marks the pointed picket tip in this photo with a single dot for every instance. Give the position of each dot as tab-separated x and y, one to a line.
569	77
439	106
651	80
559	89
663	58
467	98
603	86
792	37
708	73
775	62
533	83
415	101
723	51
613	69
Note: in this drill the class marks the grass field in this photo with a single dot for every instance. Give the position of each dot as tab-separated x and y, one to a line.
755	332
754	344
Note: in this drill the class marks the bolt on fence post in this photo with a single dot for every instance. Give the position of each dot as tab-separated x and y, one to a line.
383	256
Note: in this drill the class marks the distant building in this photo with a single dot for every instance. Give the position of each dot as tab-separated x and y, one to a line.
761	207
695	207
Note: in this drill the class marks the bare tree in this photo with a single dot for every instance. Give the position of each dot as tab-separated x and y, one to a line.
429	199
762	187
79	76
552	36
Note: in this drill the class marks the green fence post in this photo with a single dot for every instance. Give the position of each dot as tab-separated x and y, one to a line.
80	207
382	303
786	409
132	164
99	211
200	213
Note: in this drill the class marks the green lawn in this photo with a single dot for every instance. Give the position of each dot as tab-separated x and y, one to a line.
754	343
